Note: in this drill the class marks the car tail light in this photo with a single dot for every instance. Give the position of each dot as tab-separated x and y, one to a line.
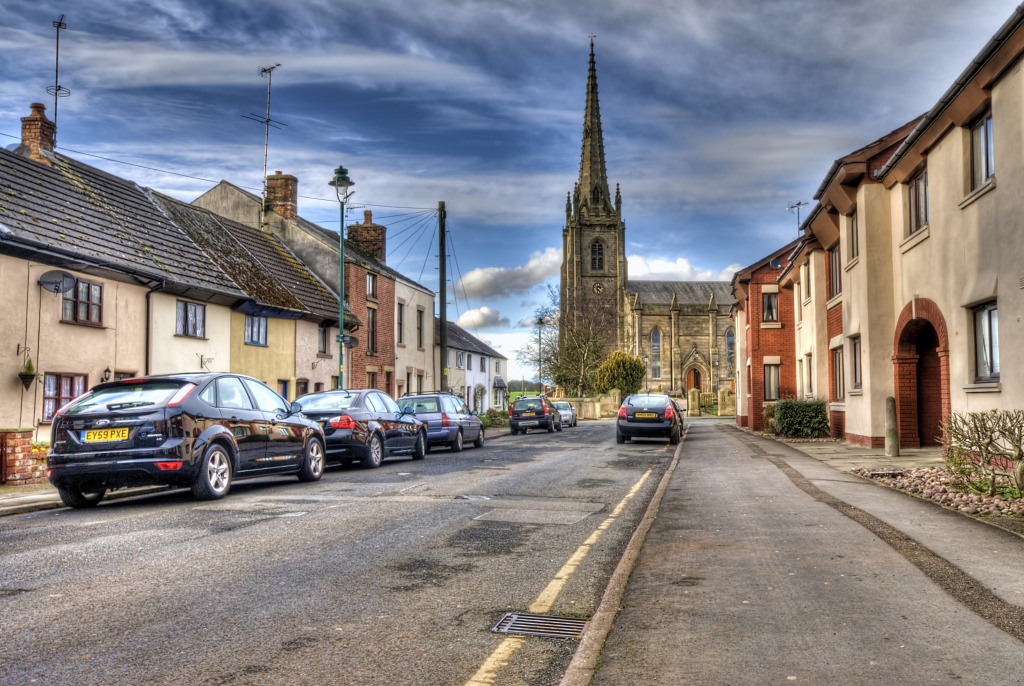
622	412
444	419
669	412
543	406
342	422
182	393
176	464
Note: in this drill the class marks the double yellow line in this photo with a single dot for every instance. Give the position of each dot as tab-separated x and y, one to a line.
488	672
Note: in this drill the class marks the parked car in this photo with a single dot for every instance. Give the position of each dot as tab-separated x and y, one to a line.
364	426
567	411
648	415
449	422
198	430
533	412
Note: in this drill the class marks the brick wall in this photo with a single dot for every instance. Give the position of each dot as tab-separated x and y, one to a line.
370	237
769	342
361	362
20	465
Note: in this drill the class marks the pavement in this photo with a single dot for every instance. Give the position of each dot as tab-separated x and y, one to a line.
826	466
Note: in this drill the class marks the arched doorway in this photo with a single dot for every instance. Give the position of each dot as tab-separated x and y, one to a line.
921	368
693	379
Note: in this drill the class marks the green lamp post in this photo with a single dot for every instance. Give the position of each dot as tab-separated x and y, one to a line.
341	184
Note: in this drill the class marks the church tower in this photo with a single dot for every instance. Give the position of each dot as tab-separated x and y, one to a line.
593	276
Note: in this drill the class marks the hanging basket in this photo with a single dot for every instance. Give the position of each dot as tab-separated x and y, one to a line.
26	378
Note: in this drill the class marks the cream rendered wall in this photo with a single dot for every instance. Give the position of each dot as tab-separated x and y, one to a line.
972	251
171	353
742	361
868	311
408	358
814	334
270	363
32	318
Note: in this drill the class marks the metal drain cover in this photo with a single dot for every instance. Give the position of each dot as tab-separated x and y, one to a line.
540	625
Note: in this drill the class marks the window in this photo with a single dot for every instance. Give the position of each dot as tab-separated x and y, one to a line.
986	342
483	364
982	164
83	304
917	201
400	323
265	398
371	330
191	320
656	354
371	379
838	386
810	374
334	383
419	329
231	394
597	256
460	359
771	382
854	237
469	362
770	305
318	387
730	348
419	383
59	390
301	387
835	271
255	330
388	380
371	285
855	365
321	338
497	366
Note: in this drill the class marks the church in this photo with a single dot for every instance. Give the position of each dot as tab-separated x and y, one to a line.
684	330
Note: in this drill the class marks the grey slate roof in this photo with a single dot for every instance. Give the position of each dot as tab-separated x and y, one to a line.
686	292
74	211
460	339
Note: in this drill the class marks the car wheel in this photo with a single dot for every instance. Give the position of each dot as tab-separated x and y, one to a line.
513	430
559	426
673	438
574	421
457	443
72	496
479	442
419	451
619	438
313	464
374	453
214	478
551	427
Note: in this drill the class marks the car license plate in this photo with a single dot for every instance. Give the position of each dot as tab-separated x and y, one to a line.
646	415
105	435
529	414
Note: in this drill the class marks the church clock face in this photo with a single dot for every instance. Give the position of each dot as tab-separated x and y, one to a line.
598	288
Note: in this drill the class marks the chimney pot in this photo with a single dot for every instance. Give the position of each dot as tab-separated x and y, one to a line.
37	134
368	217
283	195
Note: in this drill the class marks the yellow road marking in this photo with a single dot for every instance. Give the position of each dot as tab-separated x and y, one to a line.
488	672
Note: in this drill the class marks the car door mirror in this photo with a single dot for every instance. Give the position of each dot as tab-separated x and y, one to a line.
296	408
408	409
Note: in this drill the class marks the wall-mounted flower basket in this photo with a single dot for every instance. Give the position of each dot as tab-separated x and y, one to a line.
27	378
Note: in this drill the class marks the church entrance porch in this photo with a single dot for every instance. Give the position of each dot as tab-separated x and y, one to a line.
693	379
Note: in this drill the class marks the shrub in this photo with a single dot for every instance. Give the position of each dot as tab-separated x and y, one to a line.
800	418
990	443
622	371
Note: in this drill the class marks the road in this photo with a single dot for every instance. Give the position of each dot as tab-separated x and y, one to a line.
386	576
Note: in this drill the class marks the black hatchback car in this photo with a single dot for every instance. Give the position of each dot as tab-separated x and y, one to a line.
197	430
648	415
364	425
533	412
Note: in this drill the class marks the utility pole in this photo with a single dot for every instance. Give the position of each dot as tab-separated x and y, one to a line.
442	278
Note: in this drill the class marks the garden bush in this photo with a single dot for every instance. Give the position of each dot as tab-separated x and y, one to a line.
800	418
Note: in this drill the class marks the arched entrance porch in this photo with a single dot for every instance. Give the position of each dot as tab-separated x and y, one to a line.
921	372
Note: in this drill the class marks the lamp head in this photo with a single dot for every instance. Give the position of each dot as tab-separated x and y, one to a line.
341	179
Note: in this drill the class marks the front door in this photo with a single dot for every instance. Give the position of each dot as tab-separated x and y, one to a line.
693	379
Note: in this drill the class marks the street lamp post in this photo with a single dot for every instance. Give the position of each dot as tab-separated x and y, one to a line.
341	184
540	355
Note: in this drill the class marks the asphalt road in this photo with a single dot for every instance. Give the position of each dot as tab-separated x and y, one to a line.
386	576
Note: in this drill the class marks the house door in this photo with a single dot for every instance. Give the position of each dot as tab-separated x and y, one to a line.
693	379
929	384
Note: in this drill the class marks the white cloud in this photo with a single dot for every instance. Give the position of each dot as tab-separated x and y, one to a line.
482	318
681	269
493	282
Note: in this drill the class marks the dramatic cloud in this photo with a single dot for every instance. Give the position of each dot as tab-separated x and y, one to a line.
494	282
681	269
482	318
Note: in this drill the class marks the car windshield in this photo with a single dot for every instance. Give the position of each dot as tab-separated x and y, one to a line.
419	405
649	400
528	404
327	401
562	406
125	397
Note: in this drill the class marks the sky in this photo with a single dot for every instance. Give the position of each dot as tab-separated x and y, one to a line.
716	116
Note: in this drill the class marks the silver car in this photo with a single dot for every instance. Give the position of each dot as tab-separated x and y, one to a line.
567	411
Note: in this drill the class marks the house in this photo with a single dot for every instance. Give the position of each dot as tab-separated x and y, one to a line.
764	316
373	290
474	369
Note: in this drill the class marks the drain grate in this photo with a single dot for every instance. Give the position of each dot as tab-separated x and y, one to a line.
540	625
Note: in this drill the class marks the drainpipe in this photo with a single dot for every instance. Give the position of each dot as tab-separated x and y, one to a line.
149	321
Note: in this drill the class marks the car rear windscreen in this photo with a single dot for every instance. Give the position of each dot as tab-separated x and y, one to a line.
126	397
327	402
420	405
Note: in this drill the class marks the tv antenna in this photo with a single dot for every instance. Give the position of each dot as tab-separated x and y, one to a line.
268	73
795	206
56	90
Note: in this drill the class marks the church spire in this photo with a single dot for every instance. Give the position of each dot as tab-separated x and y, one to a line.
593	183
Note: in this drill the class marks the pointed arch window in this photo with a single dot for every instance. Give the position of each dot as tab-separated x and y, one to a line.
656	353
595	195
597	256
730	349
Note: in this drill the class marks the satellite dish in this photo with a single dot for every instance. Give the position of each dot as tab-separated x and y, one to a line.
57	281
352	341
776	263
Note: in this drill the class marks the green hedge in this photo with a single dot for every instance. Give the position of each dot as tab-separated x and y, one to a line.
801	418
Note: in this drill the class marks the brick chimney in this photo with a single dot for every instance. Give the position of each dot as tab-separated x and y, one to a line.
37	134
283	195
370	237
